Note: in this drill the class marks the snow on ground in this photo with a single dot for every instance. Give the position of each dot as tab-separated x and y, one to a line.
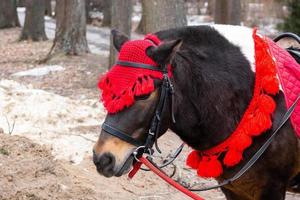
40	71
50	119
194	20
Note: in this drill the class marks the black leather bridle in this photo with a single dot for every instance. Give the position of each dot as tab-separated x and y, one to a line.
166	91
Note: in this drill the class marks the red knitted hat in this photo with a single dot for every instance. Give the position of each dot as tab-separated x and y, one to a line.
122	83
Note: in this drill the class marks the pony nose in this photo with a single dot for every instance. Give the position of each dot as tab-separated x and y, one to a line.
105	163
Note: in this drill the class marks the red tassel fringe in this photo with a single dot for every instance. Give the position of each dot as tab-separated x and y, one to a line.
256	119
115	103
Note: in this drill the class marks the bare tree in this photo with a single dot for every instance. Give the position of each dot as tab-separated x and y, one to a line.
228	12
48	8
34	26
88	8
8	14
158	15
21	3
121	20
210	7
141	26
70	33
106	12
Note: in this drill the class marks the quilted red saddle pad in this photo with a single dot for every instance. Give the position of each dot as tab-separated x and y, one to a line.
289	75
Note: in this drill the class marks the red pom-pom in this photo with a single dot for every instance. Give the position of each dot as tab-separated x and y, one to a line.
242	142
266	104
210	168
232	157
270	84
259	123
193	159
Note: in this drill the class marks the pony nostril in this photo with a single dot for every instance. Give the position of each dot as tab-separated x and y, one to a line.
105	164
95	158
107	160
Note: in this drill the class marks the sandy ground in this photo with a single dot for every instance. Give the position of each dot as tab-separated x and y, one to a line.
48	124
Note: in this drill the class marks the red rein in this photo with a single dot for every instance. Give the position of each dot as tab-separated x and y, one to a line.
168	179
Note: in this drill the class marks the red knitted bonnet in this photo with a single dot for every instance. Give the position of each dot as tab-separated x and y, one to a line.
122	83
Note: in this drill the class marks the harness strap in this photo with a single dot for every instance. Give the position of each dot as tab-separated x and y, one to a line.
139	65
168	179
287	34
115	132
294	52
156	121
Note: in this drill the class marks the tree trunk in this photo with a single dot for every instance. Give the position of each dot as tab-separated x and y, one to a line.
210	7
34	26
70	34
228	12
48	8
141	26
88	8
121	20
107	12
158	15
8	14
21	3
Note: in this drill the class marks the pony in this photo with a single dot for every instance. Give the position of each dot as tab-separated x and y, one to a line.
213	75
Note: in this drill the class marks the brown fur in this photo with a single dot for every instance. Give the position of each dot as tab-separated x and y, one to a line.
114	146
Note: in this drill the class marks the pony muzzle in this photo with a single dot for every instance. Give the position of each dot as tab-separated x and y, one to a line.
113	157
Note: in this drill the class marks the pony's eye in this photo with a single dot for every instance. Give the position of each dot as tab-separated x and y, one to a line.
142	97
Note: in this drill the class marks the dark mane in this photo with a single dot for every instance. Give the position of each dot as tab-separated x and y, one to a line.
217	81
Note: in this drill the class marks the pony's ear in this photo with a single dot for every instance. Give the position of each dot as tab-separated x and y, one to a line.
118	39
164	53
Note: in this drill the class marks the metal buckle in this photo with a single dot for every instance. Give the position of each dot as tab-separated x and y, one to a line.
147	151
150	133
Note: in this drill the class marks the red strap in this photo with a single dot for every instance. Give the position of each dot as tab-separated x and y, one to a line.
169	180
135	169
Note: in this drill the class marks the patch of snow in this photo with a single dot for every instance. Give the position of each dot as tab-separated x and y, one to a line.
136	18
21	9
96	50
193	20
40	71
96	14
47	17
74	148
50	119
137	8
255	6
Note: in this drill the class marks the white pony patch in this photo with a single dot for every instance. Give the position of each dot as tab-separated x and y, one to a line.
240	36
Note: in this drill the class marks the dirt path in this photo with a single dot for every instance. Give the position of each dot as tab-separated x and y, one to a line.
29	171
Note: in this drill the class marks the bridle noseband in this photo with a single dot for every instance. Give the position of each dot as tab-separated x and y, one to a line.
166	91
